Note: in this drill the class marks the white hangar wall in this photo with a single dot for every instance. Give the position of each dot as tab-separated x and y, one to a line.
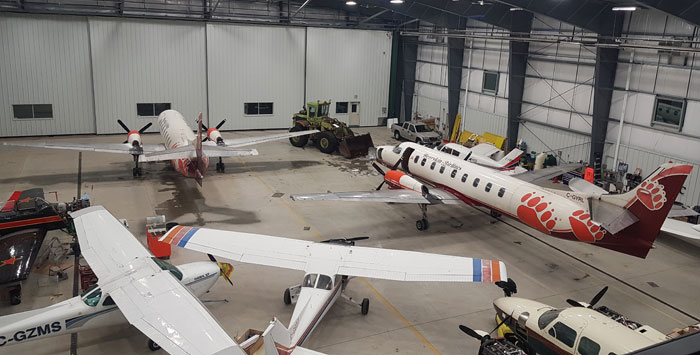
45	60
95	70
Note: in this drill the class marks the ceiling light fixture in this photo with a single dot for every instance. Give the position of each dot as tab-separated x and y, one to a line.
396	1
350	2
624	8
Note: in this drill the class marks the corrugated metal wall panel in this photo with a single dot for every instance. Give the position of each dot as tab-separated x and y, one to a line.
255	64
540	138
479	122
45	60
138	61
349	65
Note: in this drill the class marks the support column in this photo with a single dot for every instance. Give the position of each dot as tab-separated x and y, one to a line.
394	104
455	58
517	66
605	69
410	56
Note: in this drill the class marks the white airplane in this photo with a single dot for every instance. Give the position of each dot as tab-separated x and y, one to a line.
189	153
485	154
628	223
154	296
328	267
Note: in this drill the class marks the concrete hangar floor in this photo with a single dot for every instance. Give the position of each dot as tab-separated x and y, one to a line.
405	318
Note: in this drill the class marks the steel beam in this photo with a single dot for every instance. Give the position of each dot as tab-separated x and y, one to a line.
518	52
409	53
687	10
375	15
300	8
455	58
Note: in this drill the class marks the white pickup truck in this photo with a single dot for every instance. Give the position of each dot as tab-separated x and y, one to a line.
415	132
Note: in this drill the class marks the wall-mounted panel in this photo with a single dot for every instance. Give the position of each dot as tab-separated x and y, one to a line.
350	65
251	64
138	61
45	60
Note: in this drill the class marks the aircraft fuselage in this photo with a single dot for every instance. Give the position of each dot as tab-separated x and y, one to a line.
177	133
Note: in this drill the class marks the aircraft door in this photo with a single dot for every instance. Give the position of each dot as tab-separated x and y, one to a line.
405	157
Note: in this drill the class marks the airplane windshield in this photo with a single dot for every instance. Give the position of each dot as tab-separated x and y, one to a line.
168	267
324	282
92	295
309	280
547	317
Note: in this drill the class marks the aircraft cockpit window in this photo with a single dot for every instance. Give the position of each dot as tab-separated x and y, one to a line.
563	333
547	317
397	150
92	296
168	267
588	347
447	150
309	280
324	282
440	147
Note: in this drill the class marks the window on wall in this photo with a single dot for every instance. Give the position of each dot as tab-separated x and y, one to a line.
669	112
490	83
341	107
32	111
151	109
258	108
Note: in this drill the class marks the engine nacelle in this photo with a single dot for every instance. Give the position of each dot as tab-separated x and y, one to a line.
398	180
134	138
215	136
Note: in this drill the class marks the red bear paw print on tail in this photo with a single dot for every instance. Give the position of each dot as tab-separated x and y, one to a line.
651	194
535	213
584	229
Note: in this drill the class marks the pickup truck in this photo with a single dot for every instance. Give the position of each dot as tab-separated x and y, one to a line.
415	132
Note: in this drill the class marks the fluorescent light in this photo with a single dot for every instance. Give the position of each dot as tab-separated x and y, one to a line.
350	2
624	8
396	1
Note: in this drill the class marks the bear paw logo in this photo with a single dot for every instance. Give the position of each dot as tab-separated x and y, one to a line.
584	229
535	213
652	195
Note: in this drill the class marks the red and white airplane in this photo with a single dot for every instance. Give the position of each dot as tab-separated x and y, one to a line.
189	153
628	223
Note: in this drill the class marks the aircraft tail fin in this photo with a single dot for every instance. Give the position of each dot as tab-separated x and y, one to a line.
198	143
650	202
277	338
510	159
10	204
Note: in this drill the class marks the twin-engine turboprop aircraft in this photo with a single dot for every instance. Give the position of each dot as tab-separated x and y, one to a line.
189	153
628	223
328	267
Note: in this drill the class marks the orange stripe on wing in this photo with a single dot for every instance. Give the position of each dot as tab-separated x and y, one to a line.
171	234
495	271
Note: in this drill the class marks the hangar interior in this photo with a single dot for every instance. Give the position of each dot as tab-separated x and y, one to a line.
607	83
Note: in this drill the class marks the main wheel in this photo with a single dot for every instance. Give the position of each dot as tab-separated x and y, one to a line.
15	297
327	142
298	141
135	172
153	346
422	224
223	167
287	297
365	306
397	135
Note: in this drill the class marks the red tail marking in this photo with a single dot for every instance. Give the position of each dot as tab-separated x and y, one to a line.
10	204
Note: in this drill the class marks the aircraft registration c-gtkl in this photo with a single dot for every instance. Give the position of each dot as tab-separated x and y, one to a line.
189	153
154	296
328	267
628	223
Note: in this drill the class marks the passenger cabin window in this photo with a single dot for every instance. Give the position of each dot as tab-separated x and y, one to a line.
309	280
454	173
92	296
422	162
563	333
488	187
501	191
476	182
168	267
442	169
464	178
432	166
324	282
588	347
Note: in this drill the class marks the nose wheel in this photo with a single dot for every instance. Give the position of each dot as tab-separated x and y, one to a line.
422	224
220	166
136	171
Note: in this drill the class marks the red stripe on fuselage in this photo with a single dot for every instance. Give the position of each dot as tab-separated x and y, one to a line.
29	222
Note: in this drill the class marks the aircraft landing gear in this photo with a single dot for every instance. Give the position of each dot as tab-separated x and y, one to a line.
422	224
291	294
364	305
153	346
136	171
220	166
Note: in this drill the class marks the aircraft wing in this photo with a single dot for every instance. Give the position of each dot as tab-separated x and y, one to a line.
123	148
537	176
436	197
334	258
242	142
189	151
150	298
680	228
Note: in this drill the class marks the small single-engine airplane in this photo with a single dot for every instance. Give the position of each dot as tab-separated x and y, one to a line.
536	328
189	153
154	296
628	223
485	154
328	268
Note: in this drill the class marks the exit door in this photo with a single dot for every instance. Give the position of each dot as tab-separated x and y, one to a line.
354	119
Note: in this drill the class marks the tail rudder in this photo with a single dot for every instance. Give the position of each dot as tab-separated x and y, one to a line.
198	143
510	159
650	202
10	204
277	339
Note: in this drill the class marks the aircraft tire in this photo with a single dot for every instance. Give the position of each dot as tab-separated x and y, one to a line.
287	297
153	346
301	140
15	297
422	224
365	306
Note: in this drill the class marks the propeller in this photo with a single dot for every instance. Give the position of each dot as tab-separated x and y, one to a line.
143	129
207	129
221	268
376	167
595	299
346	241
474	334
509	287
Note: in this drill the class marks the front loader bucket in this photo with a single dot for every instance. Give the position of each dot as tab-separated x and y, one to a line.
355	146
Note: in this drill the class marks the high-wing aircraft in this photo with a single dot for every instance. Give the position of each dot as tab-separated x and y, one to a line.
628	223
328	267
189	153
485	154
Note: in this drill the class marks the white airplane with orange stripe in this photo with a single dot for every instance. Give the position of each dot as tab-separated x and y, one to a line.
628	223
328	267
189	153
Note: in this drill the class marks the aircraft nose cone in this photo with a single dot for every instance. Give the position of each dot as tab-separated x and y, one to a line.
515	306
505	305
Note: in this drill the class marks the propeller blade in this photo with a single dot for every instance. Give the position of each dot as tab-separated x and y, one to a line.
221	269
380	185
212	258
126	141
398	162
220	124
379	170
470	332
573	303
598	296
144	128
123	125
501	323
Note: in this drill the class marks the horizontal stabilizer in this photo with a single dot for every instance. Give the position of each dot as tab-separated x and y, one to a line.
581	185
611	217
